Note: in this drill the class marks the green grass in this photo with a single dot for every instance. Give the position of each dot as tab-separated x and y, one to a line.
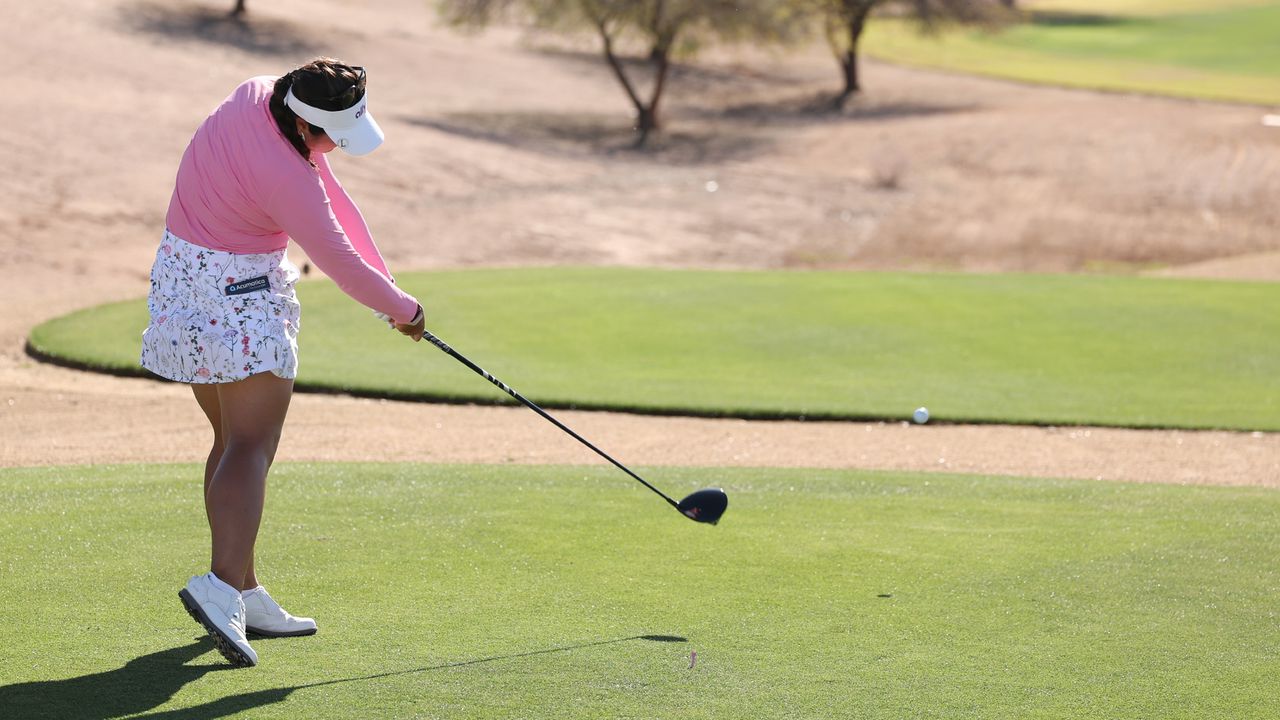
1193	48
1003	348
483	591
1139	7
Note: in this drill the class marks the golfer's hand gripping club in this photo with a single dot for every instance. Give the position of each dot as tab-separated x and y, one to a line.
413	329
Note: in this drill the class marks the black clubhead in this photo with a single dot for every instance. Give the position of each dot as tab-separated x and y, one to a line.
705	506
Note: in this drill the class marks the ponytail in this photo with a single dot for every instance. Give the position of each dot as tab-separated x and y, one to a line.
286	118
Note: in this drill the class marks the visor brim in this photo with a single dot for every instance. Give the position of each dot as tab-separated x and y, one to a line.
360	139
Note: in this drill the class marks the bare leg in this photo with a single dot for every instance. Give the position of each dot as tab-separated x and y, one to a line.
252	413
207	396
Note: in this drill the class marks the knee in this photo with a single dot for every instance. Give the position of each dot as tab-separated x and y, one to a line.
261	447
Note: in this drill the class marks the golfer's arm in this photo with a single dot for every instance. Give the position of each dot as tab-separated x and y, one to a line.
305	216
351	219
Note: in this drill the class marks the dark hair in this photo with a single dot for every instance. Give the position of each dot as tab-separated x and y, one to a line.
323	83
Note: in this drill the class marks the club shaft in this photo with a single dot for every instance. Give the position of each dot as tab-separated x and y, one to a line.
427	335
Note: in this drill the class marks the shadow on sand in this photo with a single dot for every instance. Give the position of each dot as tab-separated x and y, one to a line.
693	135
819	109
150	681
215	25
597	135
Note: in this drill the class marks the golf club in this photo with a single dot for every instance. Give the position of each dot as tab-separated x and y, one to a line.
705	506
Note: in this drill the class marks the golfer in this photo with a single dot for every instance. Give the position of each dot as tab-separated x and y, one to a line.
224	316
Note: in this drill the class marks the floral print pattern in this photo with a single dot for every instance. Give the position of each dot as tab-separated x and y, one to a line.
199	334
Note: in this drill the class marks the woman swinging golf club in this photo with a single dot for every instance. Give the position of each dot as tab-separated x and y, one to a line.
224	316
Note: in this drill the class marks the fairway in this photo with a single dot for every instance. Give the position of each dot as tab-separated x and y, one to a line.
1185	48
1038	349
568	592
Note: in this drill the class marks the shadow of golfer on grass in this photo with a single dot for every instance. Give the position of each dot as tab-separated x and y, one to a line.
496	658
237	703
150	681
141	684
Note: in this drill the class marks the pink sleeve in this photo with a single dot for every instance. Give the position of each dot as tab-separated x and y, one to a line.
305	214
349	217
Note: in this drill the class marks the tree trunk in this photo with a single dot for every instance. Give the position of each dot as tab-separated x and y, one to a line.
647	119
661	30
849	60
849	65
646	123
239	9
642	118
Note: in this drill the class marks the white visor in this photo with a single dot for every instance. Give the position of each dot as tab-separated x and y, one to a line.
354	129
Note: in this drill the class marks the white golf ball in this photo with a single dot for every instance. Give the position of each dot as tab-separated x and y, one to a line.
921	415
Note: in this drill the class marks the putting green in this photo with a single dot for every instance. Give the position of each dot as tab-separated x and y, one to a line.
572	592
972	348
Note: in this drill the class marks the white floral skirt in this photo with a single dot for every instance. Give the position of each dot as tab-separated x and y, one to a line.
218	317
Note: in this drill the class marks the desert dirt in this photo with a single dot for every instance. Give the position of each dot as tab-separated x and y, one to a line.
503	150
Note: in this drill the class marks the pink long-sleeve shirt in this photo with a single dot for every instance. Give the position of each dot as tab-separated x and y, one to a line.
243	188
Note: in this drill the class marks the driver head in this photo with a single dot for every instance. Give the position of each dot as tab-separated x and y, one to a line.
705	506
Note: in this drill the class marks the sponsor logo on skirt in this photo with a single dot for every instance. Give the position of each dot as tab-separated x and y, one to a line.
247	286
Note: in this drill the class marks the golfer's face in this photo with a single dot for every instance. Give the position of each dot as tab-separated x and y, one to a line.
316	142
320	143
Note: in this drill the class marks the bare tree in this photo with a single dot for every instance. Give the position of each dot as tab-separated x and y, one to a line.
845	20
239	10
665	26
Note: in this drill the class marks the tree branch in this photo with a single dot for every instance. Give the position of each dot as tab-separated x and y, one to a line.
606	37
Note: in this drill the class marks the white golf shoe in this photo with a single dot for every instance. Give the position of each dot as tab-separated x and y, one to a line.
218	607
265	617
